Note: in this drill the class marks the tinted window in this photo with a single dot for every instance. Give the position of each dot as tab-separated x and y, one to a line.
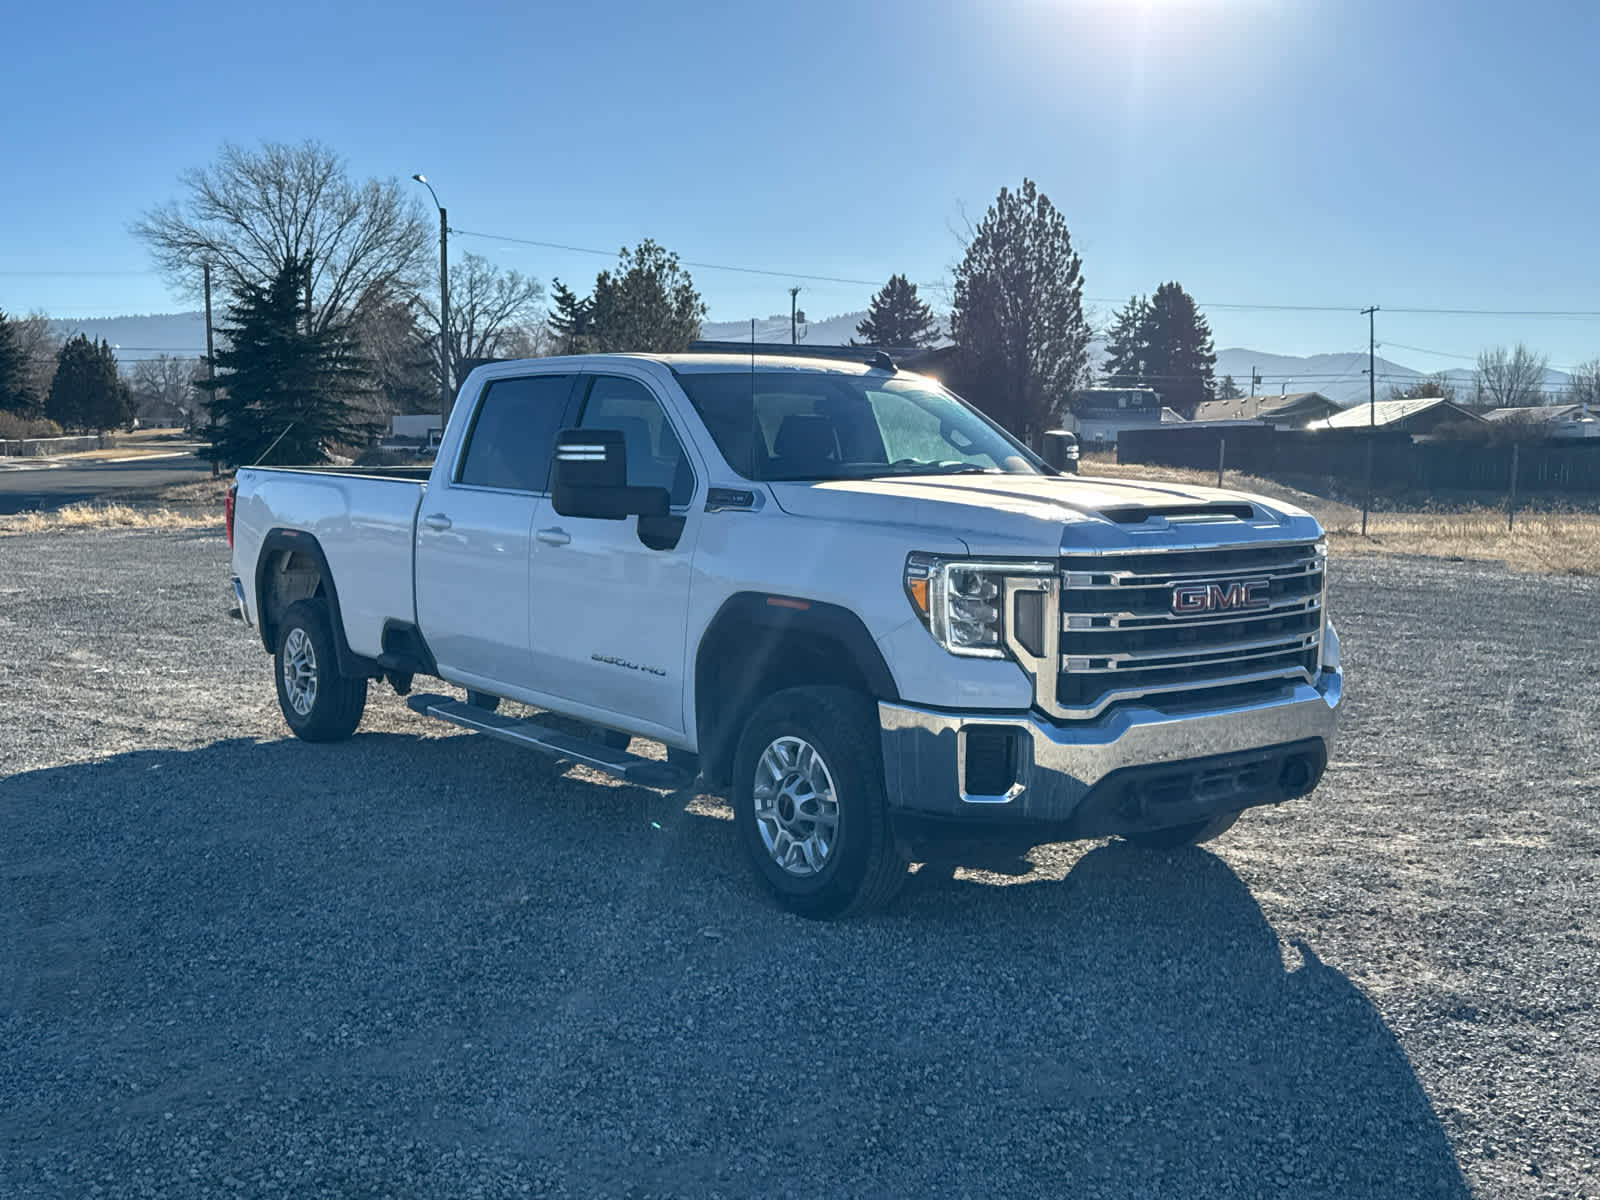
514	433
655	456
803	425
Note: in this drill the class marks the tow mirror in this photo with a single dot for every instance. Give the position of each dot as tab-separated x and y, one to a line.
590	479
1061	450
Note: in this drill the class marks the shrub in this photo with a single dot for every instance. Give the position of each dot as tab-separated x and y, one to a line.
15	428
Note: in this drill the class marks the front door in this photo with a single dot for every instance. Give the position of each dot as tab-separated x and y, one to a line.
609	610
474	533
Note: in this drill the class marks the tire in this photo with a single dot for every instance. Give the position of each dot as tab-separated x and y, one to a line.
1178	836
319	703
806	755
483	700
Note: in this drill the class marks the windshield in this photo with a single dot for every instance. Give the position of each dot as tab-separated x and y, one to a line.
814	425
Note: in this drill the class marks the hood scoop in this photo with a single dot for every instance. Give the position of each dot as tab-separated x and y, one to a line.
1139	514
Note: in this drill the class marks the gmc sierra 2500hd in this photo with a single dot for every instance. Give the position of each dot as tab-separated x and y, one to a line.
831	589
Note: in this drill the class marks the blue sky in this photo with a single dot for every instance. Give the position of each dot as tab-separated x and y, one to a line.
1425	154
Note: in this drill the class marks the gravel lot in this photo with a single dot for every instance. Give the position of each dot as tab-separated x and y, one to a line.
423	964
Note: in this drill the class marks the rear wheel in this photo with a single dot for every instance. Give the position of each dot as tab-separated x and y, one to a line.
319	703
808	803
1176	836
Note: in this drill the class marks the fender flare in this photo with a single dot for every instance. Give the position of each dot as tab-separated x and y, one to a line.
769	620
298	541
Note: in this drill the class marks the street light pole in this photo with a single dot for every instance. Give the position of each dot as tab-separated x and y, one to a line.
445	397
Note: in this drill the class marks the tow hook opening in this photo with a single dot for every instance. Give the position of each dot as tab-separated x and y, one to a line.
1297	776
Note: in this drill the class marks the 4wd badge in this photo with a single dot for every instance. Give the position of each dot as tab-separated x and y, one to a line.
1191	599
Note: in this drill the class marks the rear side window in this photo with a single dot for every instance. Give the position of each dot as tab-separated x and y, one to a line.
655	456
514	434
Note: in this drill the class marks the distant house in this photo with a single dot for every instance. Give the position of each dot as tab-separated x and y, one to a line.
1421	416
1549	420
1294	410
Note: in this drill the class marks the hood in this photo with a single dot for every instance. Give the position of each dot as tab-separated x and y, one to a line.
1037	515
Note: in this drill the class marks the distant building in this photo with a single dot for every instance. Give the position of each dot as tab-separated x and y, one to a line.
1097	415
1295	410
1420	416
1550	420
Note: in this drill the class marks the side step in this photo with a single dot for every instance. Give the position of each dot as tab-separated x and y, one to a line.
646	772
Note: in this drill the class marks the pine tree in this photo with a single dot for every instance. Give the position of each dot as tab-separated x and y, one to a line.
1022	341
1180	357
1228	389
572	320
896	317
15	394
87	392
1128	344
282	394
648	304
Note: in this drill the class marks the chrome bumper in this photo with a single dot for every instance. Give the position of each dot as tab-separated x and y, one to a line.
1057	766
239	612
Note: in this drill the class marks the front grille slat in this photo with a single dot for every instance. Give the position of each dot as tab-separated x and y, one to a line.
1120	639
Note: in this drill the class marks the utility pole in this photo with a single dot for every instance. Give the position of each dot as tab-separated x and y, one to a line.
1255	380
794	324
211	362
1372	405
445	397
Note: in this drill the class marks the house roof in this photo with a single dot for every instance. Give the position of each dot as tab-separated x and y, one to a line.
1250	408
1541	412
1390	412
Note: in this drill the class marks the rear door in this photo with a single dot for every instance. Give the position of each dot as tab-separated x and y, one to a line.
610	598
473	532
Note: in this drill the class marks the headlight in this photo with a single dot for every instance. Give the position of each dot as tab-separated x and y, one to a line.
963	602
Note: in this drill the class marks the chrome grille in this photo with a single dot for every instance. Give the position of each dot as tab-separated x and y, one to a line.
1120	637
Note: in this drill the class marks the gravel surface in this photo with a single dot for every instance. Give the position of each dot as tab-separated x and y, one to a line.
424	964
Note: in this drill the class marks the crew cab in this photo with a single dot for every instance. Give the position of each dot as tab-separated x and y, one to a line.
830	589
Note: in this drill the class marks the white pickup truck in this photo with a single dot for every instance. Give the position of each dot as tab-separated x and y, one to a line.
831	589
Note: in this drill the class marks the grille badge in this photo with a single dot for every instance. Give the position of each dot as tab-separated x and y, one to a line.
1192	599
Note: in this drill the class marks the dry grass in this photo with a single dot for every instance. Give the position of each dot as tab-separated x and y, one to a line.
108	516
1545	543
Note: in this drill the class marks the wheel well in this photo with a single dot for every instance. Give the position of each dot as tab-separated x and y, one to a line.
743	660
286	577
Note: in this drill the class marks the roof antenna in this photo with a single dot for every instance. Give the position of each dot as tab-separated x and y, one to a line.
882	361
755	426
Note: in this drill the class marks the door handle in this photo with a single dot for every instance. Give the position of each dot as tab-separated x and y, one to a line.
554	536
436	521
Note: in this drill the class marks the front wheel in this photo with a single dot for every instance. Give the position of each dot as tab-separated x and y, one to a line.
319	703
808	802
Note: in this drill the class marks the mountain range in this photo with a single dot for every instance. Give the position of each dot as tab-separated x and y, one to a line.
1340	377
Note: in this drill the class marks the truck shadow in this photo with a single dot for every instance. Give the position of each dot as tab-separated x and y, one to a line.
503	977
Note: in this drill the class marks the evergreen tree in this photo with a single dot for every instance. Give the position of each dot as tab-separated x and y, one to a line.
647	304
283	394
1128	344
1228	389
1180	358
1022	341
16	396
87	392
896	317
572	321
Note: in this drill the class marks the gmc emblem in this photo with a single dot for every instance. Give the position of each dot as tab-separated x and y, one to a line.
1190	599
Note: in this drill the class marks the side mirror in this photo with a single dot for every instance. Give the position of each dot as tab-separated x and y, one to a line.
1061	449
590	479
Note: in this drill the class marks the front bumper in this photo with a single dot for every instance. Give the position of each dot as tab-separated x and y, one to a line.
1133	768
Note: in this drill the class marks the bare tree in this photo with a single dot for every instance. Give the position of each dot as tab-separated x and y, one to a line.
1437	386
163	390
487	307
253	210
1586	386
1510	379
40	344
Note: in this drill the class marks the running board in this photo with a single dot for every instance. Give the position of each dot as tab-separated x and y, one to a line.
646	772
